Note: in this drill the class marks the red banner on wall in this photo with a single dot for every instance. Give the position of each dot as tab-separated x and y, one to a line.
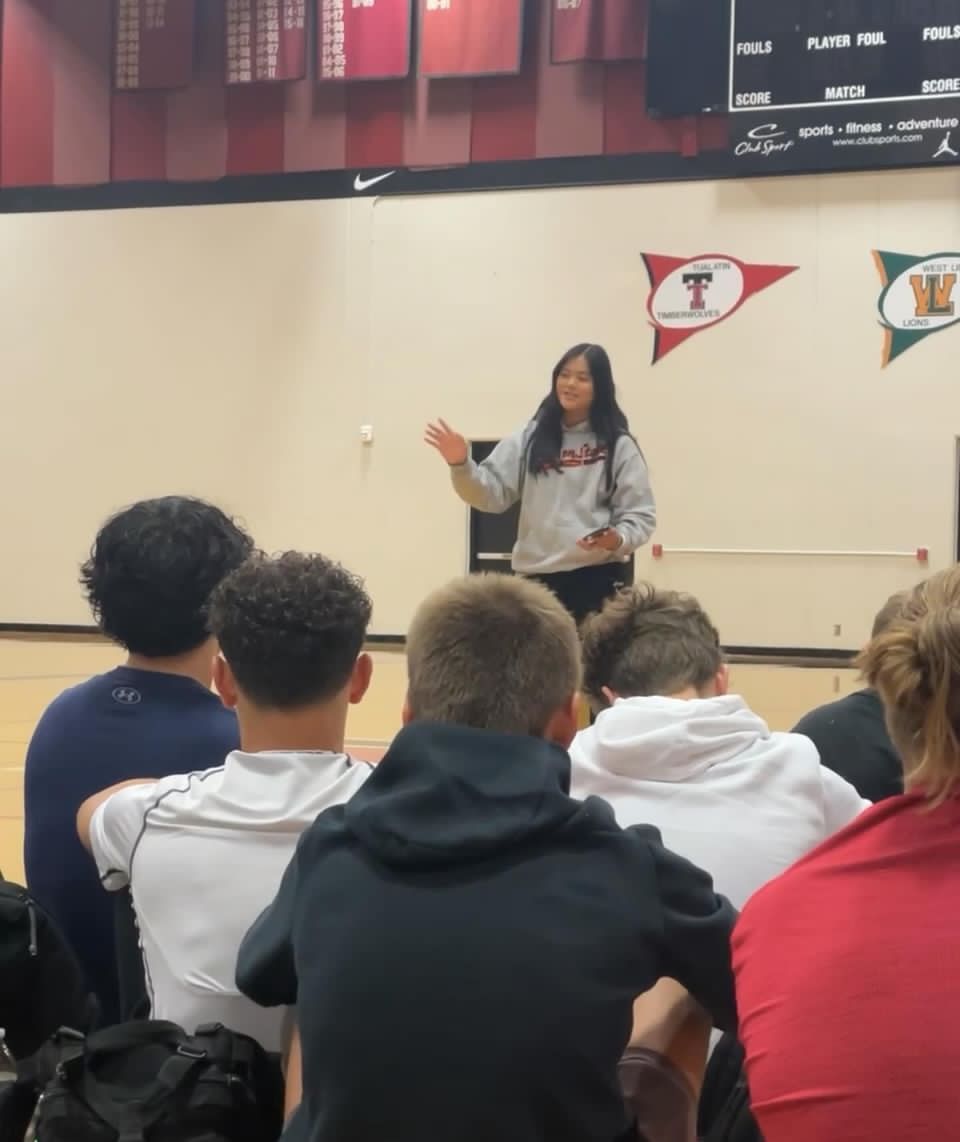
688	295
152	44
266	40
364	39
470	37
597	30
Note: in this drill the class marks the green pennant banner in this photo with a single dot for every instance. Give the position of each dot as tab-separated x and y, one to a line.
919	297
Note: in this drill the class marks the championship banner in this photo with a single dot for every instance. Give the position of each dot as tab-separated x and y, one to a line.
470	37
152	44
364	39
266	40
689	295
919	298
605	30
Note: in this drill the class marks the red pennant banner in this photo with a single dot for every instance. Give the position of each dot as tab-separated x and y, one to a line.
470	37
688	295
364	39
266	41
152	44
606	30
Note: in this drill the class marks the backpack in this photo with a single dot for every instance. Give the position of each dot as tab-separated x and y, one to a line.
152	1082
724	1113
41	983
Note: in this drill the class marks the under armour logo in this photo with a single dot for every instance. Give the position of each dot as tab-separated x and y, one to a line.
127	696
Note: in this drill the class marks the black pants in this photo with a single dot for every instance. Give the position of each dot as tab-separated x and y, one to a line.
585	590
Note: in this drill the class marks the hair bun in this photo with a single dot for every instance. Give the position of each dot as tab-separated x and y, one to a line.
895	664
915	666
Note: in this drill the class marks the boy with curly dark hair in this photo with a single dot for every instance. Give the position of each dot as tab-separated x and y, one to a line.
203	853
148	580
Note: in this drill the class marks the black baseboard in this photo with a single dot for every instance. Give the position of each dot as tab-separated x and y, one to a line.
805	658
827	656
48	628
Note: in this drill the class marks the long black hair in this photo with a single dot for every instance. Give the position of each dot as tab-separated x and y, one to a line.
607	418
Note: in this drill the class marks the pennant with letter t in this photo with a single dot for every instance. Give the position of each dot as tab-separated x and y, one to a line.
688	295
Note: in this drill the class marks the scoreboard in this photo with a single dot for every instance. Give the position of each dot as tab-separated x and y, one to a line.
803	53
835	84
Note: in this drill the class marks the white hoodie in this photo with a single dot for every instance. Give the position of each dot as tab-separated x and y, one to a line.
739	801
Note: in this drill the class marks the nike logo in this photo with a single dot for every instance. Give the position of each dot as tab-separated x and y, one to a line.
365	183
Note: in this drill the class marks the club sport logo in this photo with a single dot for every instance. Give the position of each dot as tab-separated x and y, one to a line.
689	295
919	297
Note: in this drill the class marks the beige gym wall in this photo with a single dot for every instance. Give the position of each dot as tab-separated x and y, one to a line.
234	352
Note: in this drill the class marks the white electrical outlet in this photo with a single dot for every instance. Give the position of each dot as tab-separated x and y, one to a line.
366	433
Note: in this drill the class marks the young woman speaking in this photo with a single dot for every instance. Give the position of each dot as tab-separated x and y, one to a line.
580	477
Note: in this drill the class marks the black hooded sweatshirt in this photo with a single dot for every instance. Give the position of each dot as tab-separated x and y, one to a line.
464	942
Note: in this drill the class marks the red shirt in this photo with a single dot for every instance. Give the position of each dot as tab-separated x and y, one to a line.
848	983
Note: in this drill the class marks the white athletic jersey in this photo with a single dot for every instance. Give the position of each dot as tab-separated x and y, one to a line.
203	854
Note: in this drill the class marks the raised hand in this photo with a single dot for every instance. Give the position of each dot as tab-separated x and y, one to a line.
451	445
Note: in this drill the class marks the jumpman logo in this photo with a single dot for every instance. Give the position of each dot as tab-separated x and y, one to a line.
946	149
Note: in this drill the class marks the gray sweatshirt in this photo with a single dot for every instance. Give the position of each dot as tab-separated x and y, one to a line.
560	507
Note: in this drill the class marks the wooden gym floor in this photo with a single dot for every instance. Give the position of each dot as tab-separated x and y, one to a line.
33	670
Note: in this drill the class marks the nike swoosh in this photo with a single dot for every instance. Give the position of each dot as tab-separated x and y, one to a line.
365	183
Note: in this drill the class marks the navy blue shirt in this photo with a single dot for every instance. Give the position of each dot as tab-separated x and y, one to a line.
116	727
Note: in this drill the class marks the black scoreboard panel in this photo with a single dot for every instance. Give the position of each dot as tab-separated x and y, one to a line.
688	65
822	85
813	85
805	53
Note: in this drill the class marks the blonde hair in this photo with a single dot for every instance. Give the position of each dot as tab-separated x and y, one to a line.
492	652
914	664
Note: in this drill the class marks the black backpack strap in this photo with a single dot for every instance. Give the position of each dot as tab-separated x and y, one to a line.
76	1060
125	1036
76	1067
179	1070
236	1053
260	1074
131	1120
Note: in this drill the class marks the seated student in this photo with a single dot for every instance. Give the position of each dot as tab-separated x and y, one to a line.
204	852
851	735
845	965
464	942
674	749
148	581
